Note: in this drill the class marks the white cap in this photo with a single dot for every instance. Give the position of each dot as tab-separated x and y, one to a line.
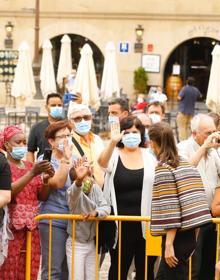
74	107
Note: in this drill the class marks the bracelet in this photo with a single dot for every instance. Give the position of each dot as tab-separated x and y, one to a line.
65	161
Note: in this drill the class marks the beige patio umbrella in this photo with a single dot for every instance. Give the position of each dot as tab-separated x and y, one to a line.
86	82
213	93
65	60
47	76
23	87
110	83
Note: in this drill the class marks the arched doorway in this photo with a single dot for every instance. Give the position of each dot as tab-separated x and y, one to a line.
77	42
194	57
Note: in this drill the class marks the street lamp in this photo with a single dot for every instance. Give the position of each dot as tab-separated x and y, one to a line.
36	62
138	46
9	41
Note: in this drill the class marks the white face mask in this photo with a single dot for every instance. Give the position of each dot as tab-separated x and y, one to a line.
155	118
140	100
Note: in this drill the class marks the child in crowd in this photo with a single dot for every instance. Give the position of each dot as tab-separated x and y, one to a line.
86	198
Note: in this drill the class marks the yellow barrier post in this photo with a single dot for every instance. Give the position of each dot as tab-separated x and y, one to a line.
73	245
217	247
146	259
119	250
28	256
50	250
190	268
97	251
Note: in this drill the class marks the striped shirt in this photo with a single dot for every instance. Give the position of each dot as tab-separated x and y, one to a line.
179	200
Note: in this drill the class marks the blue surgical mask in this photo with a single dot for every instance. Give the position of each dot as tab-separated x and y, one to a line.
146	136
61	144
113	119
131	140
18	152
83	127
56	112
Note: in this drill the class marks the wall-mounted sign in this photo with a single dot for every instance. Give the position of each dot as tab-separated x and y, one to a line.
8	63
151	62
176	69
124	47
150	47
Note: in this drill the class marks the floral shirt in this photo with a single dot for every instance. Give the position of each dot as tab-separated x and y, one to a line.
24	207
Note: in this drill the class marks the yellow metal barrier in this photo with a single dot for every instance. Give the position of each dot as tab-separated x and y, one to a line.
153	249
153	244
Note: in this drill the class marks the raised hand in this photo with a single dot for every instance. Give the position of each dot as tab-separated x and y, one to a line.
82	169
78	98
67	152
212	141
116	134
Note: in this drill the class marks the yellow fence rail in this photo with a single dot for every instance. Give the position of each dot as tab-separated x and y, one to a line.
153	244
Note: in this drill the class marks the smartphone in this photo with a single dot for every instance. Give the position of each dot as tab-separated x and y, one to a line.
47	154
218	141
74	96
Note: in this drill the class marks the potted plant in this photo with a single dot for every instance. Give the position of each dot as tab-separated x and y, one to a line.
140	80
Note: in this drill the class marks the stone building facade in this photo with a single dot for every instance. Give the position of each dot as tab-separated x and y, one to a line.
167	24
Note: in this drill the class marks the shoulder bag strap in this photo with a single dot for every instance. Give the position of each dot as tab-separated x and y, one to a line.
79	148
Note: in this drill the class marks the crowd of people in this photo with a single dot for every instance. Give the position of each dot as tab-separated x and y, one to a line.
140	171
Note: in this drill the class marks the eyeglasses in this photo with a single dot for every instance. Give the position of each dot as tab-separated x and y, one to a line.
79	119
63	136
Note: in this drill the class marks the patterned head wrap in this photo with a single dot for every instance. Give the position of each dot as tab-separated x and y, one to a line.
8	132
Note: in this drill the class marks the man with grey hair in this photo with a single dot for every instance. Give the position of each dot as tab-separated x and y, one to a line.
85	142
200	151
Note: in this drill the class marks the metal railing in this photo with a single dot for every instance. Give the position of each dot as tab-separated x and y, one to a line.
153	244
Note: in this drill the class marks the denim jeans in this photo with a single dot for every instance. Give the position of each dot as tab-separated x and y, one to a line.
59	269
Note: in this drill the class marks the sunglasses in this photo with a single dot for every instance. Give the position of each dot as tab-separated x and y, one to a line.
80	118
